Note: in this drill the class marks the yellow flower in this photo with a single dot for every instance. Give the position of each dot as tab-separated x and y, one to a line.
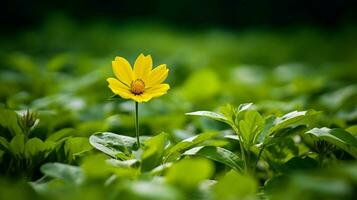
141	83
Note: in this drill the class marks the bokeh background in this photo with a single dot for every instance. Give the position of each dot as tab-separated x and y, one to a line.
280	55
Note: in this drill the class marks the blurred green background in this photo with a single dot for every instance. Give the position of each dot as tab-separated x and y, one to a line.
55	57
280	55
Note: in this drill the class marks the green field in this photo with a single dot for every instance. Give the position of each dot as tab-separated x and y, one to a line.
281	120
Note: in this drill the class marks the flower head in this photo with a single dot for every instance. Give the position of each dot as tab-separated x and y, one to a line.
140	83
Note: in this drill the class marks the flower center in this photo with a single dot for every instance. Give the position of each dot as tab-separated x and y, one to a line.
137	87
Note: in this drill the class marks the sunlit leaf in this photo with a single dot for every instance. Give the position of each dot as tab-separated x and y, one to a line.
235	186
9	120
218	154
153	151
209	114
199	170
250	126
112	144
188	143
338	137
68	173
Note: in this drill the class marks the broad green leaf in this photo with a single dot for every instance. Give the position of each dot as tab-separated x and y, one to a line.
198	169
161	168
188	143
33	147
218	154
299	164
17	144
153	151
9	120
338	137
269	123
58	135
235	186
290	119
153	190
4	144
209	114
96	166
68	173
112	144
229	112
250	126
76	145
282	134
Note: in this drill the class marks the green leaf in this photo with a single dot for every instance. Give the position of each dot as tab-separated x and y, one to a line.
299	164
9	120
33	147
153	151
187	144
235	186
58	135
76	145
244	106
250	127
209	114
283	133
218	154
269	123
198	169
4	145
228	111
68	173
96	166
338	137
242	109
153	190
17	144
116	146
290	119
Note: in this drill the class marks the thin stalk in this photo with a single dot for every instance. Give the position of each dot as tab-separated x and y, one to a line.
258	158
137	123
241	147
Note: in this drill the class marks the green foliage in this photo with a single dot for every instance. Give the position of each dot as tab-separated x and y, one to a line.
338	137
272	149
218	154
153	152
117	146
235	186
67	173
200	169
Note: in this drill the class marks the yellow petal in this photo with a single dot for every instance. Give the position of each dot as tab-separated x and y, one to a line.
157	76
142	67
158	90
119	88
142	98
122	70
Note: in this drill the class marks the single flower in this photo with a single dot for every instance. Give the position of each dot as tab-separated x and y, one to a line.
141	83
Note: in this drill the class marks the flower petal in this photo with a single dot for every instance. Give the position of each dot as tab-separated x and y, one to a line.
122	70
119	88
142	98
158	90
142	67
157	76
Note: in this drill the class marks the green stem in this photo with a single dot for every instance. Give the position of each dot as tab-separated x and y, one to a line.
241	147
137	123
259	155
